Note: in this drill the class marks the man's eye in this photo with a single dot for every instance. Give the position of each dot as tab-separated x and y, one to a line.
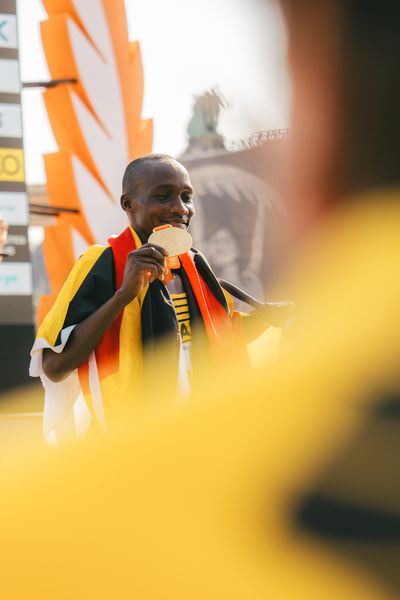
187	198
161	196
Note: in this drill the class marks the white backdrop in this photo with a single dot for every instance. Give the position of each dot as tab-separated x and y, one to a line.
187	47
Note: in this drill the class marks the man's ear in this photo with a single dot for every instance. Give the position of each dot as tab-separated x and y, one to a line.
125	202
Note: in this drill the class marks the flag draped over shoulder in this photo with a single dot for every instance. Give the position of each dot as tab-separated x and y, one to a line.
113	374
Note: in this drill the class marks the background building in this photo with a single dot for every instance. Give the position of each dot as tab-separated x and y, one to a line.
240	219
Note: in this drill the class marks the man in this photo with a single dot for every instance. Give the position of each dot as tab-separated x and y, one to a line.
102	335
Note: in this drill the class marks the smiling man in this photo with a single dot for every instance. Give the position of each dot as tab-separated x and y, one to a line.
101	338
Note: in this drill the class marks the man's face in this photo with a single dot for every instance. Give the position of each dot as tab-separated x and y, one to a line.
164	195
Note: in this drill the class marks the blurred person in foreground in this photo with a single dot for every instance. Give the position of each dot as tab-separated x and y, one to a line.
344	57
101	339
345	119
282	484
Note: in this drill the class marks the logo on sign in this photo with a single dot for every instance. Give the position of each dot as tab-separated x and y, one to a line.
14	207
3	36
11	164
8	31
15	279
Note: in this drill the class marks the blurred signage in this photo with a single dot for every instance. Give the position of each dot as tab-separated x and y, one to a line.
14	207
15	269
11	164
8	31
9	76
10	120
17	245
16	279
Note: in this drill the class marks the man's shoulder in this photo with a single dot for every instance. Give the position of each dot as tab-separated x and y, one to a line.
199	259
93	252
96	260
196	252
93	275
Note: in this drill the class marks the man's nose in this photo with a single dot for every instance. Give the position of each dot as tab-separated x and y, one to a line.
178	206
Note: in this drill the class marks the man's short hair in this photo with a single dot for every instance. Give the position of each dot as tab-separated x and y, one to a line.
136	169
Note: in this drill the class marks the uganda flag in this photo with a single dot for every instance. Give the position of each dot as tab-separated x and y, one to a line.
115	375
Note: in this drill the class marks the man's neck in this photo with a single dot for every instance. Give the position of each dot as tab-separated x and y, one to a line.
144	237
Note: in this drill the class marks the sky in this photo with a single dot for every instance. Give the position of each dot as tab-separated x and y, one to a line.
188	47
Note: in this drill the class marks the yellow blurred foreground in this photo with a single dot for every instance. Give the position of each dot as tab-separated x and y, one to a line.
197	502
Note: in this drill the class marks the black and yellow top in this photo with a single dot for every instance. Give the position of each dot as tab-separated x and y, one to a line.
183	315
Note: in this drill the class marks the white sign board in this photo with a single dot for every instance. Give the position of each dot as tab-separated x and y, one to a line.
14	207
8	31
15	279
10	120
9	76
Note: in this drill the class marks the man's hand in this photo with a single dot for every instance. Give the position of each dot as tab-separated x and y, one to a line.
143	266
276	314
271	314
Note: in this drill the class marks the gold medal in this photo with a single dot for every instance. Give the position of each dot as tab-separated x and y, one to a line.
176	241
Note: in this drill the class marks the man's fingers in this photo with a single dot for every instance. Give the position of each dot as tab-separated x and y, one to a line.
153	250
146	264
148	252
160	249
279	306
277	314
151	273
